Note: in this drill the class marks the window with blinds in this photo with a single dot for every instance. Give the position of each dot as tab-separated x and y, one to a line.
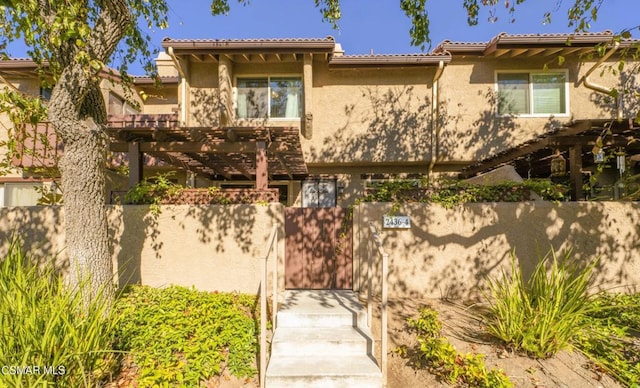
534	94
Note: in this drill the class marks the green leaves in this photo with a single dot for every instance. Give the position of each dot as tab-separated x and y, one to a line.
182	337
541	314
608	339
441	358
44	323
330	10
454	193
416	10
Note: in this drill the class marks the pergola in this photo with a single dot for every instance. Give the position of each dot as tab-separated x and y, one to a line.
231	153
256	154
578	137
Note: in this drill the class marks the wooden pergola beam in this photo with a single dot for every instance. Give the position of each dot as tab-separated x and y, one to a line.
135	164
614	141
506	157
208	163
236	166
262	166
248	147
181	160
284	165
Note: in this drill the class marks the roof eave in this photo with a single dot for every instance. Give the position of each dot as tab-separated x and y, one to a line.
249	46
388	61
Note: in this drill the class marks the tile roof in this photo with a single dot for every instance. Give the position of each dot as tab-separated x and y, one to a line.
239	45
390	59
253	40
143	80
505	40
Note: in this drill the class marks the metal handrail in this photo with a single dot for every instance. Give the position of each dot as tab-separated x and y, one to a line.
384	284
271	249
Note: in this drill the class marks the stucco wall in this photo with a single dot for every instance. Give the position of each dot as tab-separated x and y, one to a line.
445	253
370	115
208	247
471	128
451	253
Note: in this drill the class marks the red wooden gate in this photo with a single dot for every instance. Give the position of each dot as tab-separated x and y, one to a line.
318	247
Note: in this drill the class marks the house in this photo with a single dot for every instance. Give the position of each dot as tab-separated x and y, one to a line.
329	124
320	127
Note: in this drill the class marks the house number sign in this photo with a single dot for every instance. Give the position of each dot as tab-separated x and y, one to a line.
396	222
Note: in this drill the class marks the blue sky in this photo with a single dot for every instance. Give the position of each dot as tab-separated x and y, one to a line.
373	25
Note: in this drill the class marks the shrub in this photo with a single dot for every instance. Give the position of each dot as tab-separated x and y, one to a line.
179	336
443	360
48	335
610	336
152	190
540	315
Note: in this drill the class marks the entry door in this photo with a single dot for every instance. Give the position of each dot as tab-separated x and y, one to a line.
318	247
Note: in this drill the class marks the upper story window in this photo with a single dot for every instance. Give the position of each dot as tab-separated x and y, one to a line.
271	97
532	94
118	106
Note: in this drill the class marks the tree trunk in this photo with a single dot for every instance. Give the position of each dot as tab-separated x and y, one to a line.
78	113
86	228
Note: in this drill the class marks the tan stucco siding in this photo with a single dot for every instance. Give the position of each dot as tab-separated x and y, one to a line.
130	95
203	101
160	100
472	129
453	252
370	115
207	247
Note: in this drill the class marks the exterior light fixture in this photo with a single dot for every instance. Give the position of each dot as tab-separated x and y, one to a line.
558	164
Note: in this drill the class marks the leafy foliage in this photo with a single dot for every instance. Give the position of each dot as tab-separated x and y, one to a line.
541	314
46	325
580	13
609	338
454	193
442	359
152	191
56	29
182	337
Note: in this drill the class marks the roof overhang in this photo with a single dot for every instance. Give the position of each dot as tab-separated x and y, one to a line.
150	81
249	46
529	45
380	60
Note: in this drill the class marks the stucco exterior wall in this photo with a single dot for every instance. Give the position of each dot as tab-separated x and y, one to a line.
161	101
203	100
445	253
471	128
370	115
452	253
208	247
374	115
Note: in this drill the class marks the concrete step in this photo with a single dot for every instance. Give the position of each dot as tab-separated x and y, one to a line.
294	341
321	340
321	308
324	372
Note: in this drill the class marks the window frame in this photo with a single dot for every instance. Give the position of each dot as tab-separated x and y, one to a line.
127	108
5	186
530	84
268	77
